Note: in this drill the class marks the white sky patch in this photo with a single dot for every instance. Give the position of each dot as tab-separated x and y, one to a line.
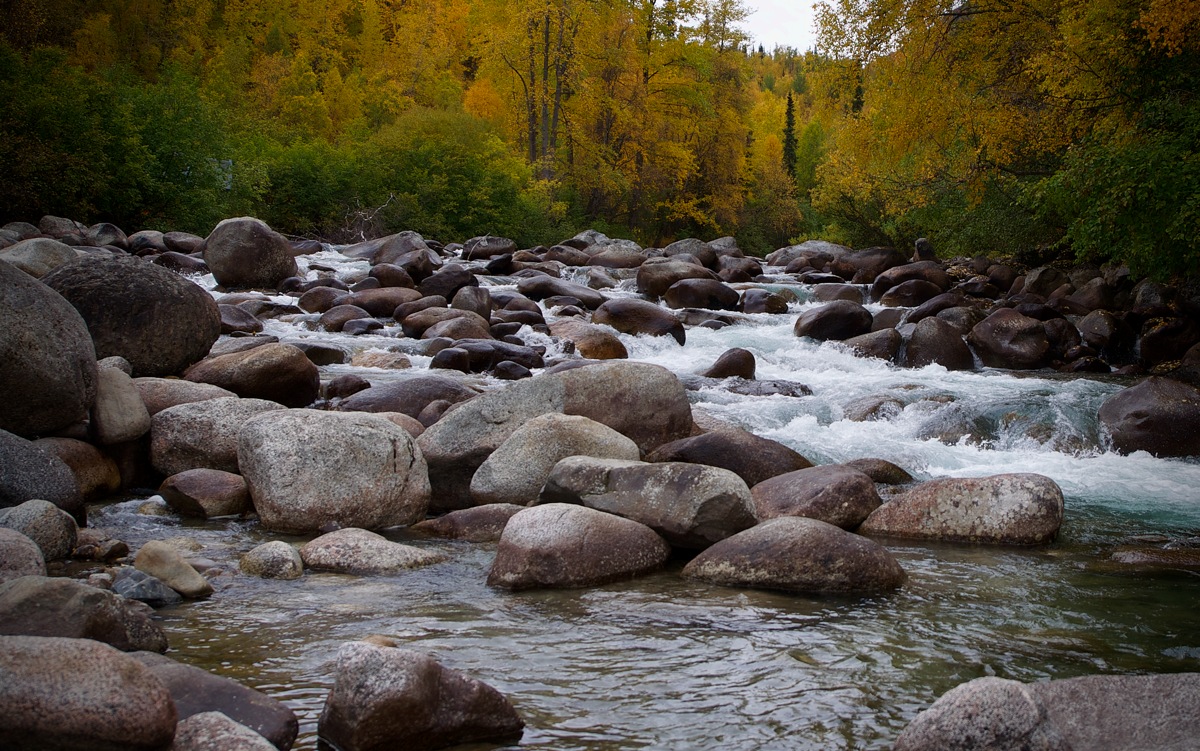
781	23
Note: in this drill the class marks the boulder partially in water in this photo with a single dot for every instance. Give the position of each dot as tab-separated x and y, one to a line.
517	469
1095	712
1158	415
795	554
357	551
385	697
690	505
1008	339
308	468
80	694
165	563
215	731
245	252
206	493
839	495
1012	509
41	606
196	692
561	545
838	320
632	316
273	560
479	524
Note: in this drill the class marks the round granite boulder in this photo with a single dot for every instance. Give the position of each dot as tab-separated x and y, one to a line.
157	320
245	252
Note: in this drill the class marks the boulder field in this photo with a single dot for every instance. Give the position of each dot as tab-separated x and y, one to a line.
586	468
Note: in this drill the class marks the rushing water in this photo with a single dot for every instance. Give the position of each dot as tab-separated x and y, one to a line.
665	663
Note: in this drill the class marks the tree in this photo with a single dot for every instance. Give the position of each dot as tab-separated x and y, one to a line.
789	138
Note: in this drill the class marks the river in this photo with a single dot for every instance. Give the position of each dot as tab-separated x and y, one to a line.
665	663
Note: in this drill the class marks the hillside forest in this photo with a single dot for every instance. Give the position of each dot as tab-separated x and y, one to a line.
1064	128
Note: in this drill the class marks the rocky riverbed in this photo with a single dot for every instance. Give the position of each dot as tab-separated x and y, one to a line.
577	454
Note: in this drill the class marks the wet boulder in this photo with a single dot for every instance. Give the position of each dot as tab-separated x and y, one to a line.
881	471
308	468
1158	415
206	493
272	560
479	524
47	359
559	545
202	434
245	252
910	294
839	495
762	301
795	554
690	505
644	402
655	277
701	293
38	256
630	316
884	344
750	457
517	469
51	529
215	731
733	363
165	563
838	320
1097	712
156	319
275	372
927	271
540	287
936	342
19	556
591	341
80	694
385	697
41	606
864	266
1008	339
358	551
1011	509
31	471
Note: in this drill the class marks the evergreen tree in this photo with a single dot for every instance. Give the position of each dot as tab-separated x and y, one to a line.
789	138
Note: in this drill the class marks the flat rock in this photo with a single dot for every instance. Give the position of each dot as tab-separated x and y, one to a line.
163	562
357	551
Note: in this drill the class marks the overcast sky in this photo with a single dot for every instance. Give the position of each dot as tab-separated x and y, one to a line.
781	23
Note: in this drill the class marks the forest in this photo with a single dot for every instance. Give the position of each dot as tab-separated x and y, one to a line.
1034	128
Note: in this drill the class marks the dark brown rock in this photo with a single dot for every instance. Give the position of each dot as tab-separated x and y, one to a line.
245	252
276	372
750	457
935	341
41	606
837	320
834	493
479	524
1007	339
1158	415
630	316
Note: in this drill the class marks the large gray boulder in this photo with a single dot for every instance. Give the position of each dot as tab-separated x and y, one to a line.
19	556
1095	712
159	393
561	546
1012	509
935	341
245	252
202	434
79	694
690	505
841	496
41	606
277	372
38	256
47	359
795	554
384	697
51	528
1158	415
643	402
357	551
309	468
517	469
30	471
156	319
196	691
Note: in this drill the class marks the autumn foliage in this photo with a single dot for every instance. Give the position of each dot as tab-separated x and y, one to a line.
987	125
